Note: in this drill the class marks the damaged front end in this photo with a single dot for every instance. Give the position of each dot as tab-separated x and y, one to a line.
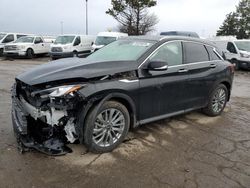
45	119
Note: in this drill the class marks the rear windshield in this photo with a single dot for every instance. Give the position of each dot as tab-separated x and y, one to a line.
101	40
243	45
64	39
25	40
121	50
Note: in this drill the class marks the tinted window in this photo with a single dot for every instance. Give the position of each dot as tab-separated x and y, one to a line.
212	54
170	53
38	40
195	52
9	38
77	41
231	48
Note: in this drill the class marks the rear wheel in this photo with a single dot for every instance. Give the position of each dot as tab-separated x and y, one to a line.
30	53
217	101
106	128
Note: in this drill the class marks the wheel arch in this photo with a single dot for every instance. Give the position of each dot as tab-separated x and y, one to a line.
228	86
97	102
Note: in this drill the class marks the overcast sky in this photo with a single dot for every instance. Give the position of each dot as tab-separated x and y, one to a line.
44	16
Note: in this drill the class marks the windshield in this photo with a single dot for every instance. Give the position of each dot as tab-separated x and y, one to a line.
243	45
122	50
2	35
64	39
101	40
25	40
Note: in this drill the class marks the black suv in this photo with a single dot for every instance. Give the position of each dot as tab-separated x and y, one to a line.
130	82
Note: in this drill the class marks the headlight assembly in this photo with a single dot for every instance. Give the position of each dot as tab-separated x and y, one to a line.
58	91
21	47
244	55
65	90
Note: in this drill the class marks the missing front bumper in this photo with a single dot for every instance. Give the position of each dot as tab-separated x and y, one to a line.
34	134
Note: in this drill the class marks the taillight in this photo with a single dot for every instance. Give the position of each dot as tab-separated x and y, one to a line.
231	67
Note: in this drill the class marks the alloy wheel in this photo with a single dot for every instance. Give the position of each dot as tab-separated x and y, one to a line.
219	100
108	127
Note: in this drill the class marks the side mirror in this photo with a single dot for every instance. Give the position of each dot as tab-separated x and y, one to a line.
92	43
158	66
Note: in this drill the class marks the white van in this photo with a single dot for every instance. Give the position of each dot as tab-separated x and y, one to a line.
28	46
235	51
71	46
105	38
7	38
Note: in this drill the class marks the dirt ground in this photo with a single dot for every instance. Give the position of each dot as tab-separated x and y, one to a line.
189	151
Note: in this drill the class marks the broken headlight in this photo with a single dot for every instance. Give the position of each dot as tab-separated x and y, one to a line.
65	90
58	91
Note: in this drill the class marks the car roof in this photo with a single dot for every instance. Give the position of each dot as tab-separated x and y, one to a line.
157	38
112	34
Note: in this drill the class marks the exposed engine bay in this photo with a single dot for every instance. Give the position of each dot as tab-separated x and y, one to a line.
46	119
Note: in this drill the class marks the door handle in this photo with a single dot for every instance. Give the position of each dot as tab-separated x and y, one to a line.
213	66
182	71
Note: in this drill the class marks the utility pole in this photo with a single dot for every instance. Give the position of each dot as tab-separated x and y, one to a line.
86	17
61	27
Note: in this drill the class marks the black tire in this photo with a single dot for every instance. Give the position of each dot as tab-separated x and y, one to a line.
1	52
236	64
75	54
54	58
92	119
30	53
210	110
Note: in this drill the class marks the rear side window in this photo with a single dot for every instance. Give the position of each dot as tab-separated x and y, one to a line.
212	54
195	52
170	53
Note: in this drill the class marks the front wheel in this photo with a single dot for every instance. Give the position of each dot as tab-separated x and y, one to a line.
75	54
30	53
217	101
1	52
107	127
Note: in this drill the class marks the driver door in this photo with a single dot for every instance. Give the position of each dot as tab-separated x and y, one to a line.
38	45
164	92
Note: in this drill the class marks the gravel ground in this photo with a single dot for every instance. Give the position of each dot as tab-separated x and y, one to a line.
190	150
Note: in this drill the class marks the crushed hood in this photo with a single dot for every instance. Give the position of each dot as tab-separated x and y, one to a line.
72	68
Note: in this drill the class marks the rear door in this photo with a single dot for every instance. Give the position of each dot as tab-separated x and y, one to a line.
202	74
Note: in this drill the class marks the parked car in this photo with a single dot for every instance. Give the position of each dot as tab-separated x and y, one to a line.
130	82
71	46
28	46
180	33
6	38
105	38
236	51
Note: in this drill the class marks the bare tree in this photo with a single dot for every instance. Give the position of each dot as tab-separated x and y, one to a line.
133	16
